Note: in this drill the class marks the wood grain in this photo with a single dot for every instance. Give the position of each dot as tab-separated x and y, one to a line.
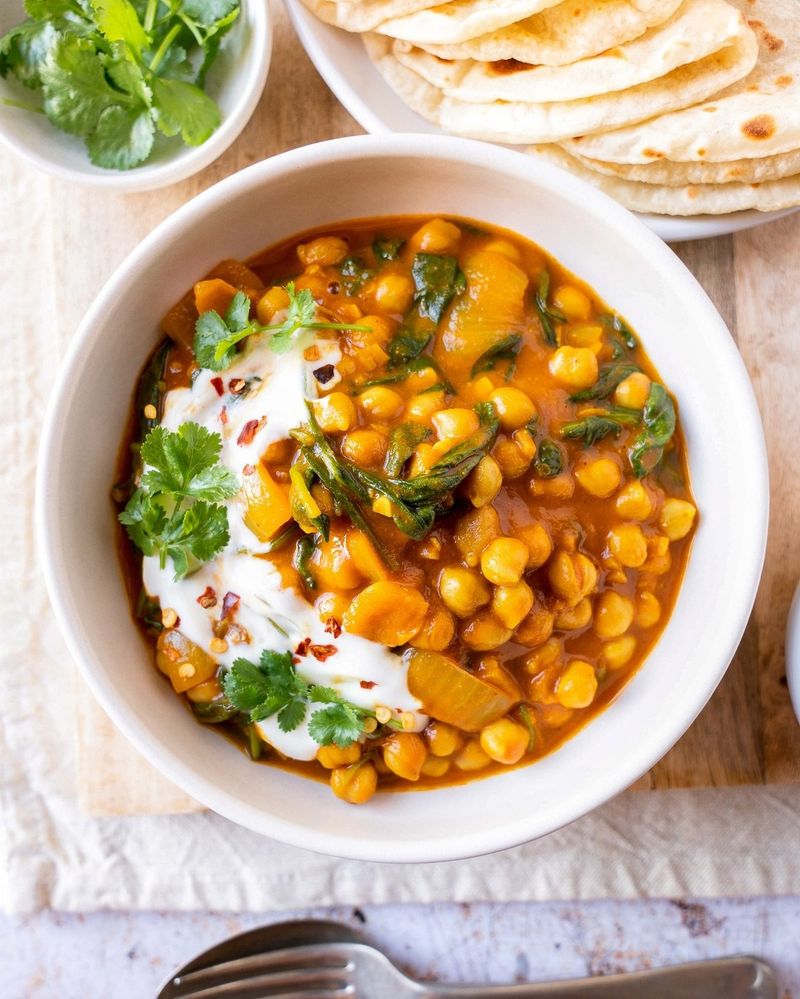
746	733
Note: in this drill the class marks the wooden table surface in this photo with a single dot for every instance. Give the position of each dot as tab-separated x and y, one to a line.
747	733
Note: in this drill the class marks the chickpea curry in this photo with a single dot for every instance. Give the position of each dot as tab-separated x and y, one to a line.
404	503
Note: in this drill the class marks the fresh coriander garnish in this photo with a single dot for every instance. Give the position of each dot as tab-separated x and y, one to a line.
115	71
216	336
273	687
177	512
548	316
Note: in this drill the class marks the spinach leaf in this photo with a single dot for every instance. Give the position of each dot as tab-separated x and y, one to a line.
618	325
354	274
402	444
597	426
303	551
505	349
548	316
437	280
549	460
406	345
387	249
659	426
610	376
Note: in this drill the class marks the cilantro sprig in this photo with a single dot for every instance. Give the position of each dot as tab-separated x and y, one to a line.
272	686
216	336
176	512
116	72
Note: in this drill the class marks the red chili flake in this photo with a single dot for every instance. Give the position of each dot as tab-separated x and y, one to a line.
302	648
218	385
250	429
333	627
237	385
322	652
208	598
229	604
223	415
296	660
248	469
368	684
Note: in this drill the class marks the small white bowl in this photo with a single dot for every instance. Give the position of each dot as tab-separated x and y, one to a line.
236	82
394	175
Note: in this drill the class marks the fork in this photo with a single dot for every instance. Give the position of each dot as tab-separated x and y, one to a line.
348	967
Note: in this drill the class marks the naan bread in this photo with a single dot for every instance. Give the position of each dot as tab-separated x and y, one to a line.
460	20
675	174
696	30
756	117
572	30
699	199
365	15
517	122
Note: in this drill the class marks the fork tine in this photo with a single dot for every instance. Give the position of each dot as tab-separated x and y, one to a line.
249	993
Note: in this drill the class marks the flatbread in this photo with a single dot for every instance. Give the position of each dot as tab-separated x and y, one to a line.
756	117
516	122
674	174
697	29
365	15
460	20
572	30
700	199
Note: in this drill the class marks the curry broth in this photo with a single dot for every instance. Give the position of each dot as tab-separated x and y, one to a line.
574	519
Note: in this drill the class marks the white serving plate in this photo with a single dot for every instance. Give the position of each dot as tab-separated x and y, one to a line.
236	82
342	61
631	269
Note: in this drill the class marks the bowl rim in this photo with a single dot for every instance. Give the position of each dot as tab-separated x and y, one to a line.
108	693
186	160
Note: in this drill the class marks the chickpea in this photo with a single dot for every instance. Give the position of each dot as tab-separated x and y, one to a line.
331	605
618	653
572	575
554	715
505	249
544	658
514	460
577	685
421	460
474	531
574	303
436	236
430	548
514	407
332	565
510	604
273	300
335	756
205	692
648	609
462	590
404	753
326	250
632	391
575	617
490	669
481	388
538	542
435	766
504	741
366	448
613	616
574	367
586	335
381	402
484	632
335	413
443	739
536	628
628	544
600	477
484	482
659	559
455	425
633	502
421	408
386	612
560	486
676	518
381	327
356	783
471	757
503	561
437	631
392	293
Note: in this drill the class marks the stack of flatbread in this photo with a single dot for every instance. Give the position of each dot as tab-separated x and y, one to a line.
677	107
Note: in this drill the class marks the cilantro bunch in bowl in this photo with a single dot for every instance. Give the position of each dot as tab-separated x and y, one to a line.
123	75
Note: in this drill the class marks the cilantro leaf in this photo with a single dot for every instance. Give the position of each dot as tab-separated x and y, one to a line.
75	88
123	138
209	12
186	463
339	724
118	21
25	49
183	107
437	280
292	715
40	9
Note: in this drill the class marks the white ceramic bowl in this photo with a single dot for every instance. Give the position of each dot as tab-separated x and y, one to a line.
236	82
793	652
372	176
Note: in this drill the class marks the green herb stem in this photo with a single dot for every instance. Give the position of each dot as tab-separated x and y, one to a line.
164	47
